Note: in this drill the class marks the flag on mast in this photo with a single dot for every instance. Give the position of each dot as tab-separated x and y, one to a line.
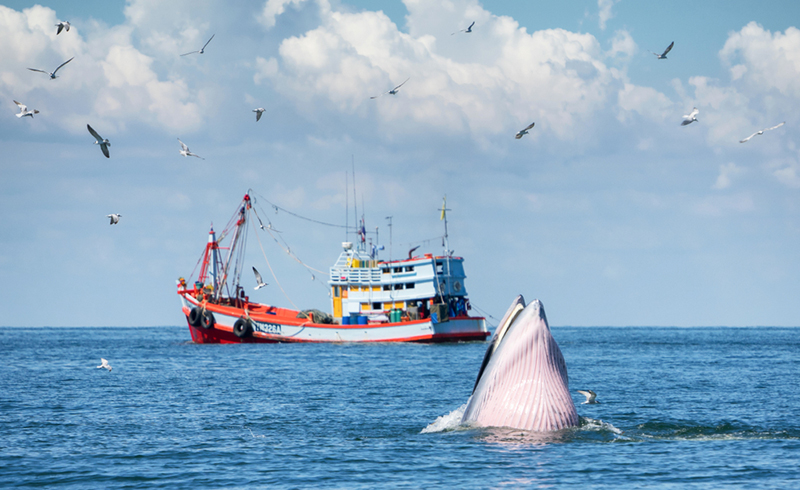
444	206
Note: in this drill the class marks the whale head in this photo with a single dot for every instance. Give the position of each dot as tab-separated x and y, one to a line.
523	380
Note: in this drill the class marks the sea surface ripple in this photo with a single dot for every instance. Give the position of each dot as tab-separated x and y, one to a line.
679	408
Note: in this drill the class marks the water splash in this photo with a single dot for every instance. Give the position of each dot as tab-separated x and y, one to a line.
448	422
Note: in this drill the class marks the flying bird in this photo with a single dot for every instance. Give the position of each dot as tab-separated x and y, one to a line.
61	26
761	132
258	112
99	140
523	132
467	30
185	151
104	364
203	49
691	117
663	55
260	281
53	73
393	91
590	396
114	218
23	110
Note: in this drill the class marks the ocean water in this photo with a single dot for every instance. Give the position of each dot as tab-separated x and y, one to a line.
679	408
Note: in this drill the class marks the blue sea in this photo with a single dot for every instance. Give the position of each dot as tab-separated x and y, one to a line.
679	408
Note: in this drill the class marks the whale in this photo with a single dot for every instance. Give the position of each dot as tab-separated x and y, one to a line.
522	382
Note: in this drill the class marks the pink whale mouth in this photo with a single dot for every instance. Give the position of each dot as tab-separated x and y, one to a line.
523	381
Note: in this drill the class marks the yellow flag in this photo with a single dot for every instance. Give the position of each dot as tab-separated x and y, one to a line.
444	205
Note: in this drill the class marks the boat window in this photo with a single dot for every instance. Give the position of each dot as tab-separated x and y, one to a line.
376	306
397	270
409	285
439	267
410	268
398	286
386	287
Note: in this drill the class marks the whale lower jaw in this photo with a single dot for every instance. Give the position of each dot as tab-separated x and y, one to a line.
525	383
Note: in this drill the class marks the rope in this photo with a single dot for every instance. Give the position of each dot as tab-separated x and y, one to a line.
273	272
276	207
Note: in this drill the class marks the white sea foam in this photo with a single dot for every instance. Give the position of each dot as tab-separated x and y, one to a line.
597	425
446	422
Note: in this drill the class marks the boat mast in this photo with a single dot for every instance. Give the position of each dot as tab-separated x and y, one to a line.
446	242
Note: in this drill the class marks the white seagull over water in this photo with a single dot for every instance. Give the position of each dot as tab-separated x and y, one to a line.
258	112
523	132
104	364
185	151
203	49
467	30
691	117
590	396
23	110
762	132
393	91
260	281
99	140
53	73
663	55
61	26
114	218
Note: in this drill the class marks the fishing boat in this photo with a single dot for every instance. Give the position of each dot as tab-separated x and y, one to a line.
417	299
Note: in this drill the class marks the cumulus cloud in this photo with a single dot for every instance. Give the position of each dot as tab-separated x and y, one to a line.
490	82
109	78
645	101
765	61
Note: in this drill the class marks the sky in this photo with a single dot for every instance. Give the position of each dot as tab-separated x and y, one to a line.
609	211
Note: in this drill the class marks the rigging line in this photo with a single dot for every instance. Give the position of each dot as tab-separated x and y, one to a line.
288	250
276	207
483	312
423	241
273	272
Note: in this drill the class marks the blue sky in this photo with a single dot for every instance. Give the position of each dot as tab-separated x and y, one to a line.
609	211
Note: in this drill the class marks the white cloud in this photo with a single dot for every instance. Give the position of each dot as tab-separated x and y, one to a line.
509	77
622	44
767	61
274	8
645	101
726	172
109	79
605	14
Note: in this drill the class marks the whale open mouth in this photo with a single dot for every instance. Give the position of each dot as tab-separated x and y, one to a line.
523	381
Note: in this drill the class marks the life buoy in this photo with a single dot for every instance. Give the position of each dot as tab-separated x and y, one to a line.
242	328
195	316
208	320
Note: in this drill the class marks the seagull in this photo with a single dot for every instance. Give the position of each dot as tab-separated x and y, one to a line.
203	49
258	112
104	364
748	138
467	30
260	281
393	91
691	117
114	218
61	26
590	396
524	131
99	140
663	55
23	110
53	74
185	151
